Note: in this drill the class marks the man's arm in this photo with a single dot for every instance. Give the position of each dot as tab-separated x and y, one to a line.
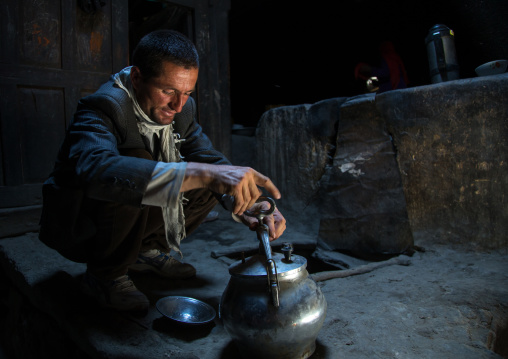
240	182
90	158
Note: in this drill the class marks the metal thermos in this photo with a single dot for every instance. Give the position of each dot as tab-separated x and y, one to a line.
440	42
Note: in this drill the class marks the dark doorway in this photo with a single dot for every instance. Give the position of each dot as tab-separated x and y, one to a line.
147	16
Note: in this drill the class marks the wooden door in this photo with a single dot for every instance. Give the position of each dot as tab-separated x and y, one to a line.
52	52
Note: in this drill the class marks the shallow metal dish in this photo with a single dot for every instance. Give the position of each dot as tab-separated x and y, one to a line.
185	310
492	68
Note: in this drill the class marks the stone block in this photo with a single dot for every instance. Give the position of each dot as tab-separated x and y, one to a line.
294	144
377	172
363	209
452	146
346	186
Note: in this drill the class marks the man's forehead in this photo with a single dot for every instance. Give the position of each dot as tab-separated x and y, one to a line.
173	75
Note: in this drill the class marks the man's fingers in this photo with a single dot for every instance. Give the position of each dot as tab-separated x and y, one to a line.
278	225
241	183
244	199
238	204
247	198
271	228
276	222
249	193
255	193
266	183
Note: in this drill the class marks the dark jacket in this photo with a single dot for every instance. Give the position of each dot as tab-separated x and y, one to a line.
89	163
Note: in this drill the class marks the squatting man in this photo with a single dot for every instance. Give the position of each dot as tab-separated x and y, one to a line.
136	174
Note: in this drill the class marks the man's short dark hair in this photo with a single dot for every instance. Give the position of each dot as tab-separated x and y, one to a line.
164	45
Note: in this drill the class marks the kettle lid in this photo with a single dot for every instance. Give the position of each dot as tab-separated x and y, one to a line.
255	266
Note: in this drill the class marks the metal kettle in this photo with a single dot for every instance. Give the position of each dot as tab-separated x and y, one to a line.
271	308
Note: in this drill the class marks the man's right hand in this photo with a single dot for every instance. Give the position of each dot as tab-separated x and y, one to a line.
240	182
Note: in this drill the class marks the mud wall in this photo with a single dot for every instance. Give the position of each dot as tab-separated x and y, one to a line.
378	173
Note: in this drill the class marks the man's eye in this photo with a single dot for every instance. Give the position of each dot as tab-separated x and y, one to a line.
168	92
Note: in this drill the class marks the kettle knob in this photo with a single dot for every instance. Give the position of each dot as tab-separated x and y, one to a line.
287	250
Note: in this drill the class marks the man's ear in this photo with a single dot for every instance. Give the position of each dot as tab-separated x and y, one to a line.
135	77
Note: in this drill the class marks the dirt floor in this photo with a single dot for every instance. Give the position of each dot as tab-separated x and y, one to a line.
447	303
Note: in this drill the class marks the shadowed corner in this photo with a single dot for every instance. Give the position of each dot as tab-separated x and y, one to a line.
148	281
181	331
321	351
231	351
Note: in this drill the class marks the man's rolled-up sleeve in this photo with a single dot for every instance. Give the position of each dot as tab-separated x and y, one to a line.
163	189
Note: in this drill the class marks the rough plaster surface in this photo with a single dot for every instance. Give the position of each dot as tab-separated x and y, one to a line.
448	144
452	142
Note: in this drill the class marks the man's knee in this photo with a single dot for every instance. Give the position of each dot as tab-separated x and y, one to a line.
201	202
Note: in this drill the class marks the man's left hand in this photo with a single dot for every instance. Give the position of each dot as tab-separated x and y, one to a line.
276	222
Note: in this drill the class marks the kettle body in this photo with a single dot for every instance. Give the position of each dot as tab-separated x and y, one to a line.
264	329
442	57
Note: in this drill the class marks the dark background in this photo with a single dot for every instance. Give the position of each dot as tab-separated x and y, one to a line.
286	52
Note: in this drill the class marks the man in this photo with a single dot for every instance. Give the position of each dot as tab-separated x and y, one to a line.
136	174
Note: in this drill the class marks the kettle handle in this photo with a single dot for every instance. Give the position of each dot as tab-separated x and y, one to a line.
271	268
259	214
264	245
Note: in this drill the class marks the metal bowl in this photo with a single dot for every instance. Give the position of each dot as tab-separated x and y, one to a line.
492	68
185	310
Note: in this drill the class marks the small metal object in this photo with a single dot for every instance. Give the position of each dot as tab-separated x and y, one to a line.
260	214
185	310
287	250
372	84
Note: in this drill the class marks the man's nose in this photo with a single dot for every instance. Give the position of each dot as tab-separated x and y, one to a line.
178	102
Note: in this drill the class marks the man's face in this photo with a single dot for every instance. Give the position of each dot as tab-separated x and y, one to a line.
162	97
